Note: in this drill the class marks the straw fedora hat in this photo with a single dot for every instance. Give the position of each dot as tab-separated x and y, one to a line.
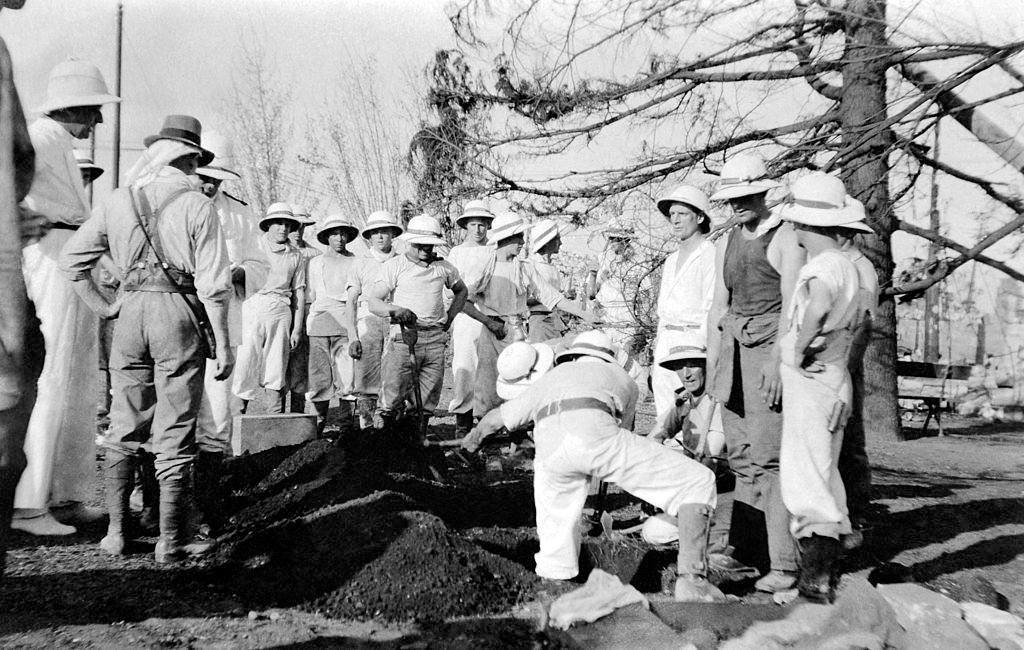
379	220
334	222
276	211
224	153
183	128
687	195
520	365
302	214
474	209
87	166
541	233
819	199
75	83
594	343
423	229
743	175
505	225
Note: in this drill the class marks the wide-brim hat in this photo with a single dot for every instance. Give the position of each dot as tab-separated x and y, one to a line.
520	365
334	222
505	225
475	209
302	214
223	154
594	343
380	220
183	128
687	195
75	83
683	353
542	232
425	230
276	212
616	229
819	199
743	175
856	216
87	166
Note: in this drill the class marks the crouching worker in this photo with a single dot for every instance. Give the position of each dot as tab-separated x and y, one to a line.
577	409
825	313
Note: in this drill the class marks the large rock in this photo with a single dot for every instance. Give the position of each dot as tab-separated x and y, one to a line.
1000	629
255	433
860	616
931	620
803	622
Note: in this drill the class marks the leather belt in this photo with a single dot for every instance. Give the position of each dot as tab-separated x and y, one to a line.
575	404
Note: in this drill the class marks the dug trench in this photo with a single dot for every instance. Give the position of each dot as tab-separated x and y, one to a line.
363	530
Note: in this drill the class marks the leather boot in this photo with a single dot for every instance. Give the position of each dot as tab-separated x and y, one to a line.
117	483
208	498
298	403
321	407
348	422
463	423
149	520
173	505
694	521
818	558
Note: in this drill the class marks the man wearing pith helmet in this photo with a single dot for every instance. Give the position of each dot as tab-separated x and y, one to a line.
59	444
159	354
580	409
368	332
756	266
687	287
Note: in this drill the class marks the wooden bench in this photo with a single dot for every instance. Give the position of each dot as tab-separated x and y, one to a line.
933	384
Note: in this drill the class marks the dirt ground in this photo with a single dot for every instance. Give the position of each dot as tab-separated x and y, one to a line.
356	547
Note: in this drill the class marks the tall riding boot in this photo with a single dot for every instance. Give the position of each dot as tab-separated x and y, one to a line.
149	520
208	499
173	506
694	521
463	423
117	483
818	558
321	407
298	402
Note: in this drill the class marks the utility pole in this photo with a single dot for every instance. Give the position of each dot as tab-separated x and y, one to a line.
933	296
116	167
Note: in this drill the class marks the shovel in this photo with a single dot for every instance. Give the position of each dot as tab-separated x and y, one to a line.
410	336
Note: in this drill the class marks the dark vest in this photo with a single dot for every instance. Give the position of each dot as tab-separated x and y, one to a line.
754	284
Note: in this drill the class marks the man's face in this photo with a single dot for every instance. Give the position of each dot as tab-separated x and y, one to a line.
552	247
747	208
82	120
513	245
279	230
296	234
684	219
476	229
421	252
210	185
618	245
381	240
336	239
691	375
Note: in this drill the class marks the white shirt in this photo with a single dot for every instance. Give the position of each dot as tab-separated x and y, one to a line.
687	288
364	274
57	189
419	288
473	263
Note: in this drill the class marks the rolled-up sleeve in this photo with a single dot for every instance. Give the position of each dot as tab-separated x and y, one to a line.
82	252
213	268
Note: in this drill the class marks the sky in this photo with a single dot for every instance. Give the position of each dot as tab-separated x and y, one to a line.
180	56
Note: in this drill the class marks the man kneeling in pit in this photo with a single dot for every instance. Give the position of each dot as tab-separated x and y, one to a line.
577	409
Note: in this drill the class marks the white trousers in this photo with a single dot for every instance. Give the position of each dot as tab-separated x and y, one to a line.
576	445
664	382
812	488
60	441
263	355
216	412
465	336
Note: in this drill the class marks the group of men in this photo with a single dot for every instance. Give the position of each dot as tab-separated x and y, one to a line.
758	330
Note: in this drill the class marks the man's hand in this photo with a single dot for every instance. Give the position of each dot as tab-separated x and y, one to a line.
355	349
771	383
295	338
402	316
34	225
472	441
225	361
496	327
657	434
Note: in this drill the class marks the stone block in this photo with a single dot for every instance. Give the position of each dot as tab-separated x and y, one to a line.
916	604
255	433
1000	629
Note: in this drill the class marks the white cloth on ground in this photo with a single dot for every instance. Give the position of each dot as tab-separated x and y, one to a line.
601	595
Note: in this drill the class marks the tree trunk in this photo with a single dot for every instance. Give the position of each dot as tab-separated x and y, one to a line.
866	173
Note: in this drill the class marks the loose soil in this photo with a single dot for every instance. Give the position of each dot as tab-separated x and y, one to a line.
358	545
